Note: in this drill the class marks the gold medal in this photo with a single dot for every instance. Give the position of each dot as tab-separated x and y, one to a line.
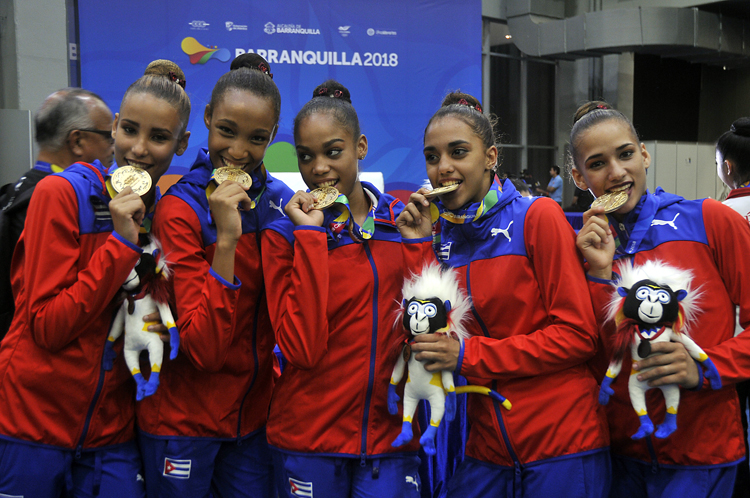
441	190
226	173
324	197
130	176
611	201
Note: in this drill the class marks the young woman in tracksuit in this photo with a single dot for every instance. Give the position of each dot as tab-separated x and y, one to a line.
66	423
532	334
700	458
342	272
203	431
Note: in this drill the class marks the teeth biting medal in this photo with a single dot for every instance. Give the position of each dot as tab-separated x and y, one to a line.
324	197
441	190
130	176
232	174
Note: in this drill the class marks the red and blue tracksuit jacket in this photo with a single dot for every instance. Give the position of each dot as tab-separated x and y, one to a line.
334	321
532	333
68	267
220	384
711	240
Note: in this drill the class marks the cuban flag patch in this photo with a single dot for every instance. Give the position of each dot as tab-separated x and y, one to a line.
299	488
444	253
179	469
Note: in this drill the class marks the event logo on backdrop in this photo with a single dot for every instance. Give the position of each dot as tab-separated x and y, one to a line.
397	58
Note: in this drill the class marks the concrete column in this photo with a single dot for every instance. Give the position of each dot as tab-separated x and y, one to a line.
33	64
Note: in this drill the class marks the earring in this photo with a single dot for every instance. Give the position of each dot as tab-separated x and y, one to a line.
362	157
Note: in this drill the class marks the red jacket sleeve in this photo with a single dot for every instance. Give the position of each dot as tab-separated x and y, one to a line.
570	335
65	293
205	302
299	307
729	237
417	253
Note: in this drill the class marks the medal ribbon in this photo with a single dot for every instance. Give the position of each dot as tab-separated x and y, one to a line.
345	217
643	223
474	211
47	167
467	215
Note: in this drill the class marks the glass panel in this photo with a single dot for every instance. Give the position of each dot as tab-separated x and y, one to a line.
505	90
541	103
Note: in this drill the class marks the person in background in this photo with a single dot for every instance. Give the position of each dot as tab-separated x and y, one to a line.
72	125
582	200
733	168
522	188
554	187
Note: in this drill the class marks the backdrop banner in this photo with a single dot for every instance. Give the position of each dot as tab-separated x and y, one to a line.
398	59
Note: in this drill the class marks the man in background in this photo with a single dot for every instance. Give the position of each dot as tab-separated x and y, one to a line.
72	125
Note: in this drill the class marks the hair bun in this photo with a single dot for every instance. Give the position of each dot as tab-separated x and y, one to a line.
167	69
251	61
588	107
334	89
741	127
460	98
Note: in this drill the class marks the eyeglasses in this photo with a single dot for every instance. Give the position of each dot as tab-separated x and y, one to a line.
105	133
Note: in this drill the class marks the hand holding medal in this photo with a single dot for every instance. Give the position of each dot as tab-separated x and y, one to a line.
226	173
303	208
415	221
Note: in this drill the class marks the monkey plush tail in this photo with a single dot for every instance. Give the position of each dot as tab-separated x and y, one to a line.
487	392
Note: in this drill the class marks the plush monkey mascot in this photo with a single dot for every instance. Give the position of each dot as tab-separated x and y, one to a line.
147	292
653	303
432	303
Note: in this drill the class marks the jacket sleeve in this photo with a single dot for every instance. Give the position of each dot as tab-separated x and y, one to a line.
417	253
570	335
298	307
204	301
729	239
64	293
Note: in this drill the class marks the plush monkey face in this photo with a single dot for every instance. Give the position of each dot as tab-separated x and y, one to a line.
650	303
425	316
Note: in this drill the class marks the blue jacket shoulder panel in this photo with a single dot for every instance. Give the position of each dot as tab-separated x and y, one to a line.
675	219
87	181
500	233
679	221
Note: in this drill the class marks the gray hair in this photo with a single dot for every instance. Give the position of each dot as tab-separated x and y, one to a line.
61	113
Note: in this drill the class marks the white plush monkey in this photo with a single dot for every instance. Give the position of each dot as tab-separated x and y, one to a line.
147	292
654	302
432	303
